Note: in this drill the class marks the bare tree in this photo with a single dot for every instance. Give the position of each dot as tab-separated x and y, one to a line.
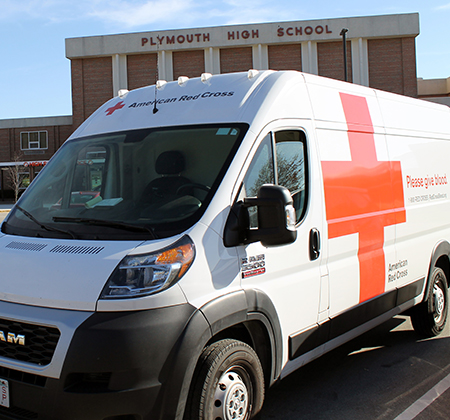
17	176
290	174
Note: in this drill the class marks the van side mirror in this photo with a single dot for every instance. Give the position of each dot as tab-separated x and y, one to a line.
276	219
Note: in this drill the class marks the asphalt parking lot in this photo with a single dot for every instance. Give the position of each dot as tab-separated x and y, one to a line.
388	373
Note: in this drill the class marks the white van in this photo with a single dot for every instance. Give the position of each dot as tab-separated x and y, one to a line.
195	241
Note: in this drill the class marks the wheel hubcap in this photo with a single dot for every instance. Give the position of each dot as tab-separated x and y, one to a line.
230	398
439	302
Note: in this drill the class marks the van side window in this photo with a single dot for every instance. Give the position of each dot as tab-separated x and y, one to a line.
259	173
288	169
290	166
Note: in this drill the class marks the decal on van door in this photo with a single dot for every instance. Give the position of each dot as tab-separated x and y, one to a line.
363	196
253	265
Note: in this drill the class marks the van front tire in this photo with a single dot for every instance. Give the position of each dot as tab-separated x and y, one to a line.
229	383
429	317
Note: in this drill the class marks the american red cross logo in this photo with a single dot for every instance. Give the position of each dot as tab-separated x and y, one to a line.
363	196
117	106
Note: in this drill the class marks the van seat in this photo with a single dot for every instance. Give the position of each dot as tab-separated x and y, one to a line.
169	165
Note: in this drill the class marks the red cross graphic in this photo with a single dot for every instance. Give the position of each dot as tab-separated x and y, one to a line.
117	106
363	196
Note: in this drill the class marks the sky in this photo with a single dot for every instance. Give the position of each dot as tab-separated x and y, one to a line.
35	73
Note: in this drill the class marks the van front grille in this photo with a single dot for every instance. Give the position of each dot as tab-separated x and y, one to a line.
27	342
15	413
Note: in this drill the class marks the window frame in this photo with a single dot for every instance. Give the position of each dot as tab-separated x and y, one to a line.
38	141
272	135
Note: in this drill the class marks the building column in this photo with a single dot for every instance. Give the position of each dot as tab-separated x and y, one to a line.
165	66
260	54
360	61
310	61
119	70
212	60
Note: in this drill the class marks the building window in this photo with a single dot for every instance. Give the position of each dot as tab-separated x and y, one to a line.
33	140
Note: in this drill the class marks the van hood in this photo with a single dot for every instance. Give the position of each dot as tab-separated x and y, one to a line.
57	273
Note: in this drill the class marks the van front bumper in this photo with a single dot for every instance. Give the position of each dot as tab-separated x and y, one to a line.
116	368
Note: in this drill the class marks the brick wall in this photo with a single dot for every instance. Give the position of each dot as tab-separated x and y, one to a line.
331	60
188	63
285	57
10	150
77	92
236	59
385	64
92	86
392	65
142	70
10	142
409	67
61	133
5	144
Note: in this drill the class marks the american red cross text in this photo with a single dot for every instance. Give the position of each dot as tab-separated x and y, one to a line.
363	196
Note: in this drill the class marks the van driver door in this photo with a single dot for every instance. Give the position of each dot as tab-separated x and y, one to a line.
293	275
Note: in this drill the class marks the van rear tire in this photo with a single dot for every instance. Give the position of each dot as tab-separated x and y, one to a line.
229	383
430	316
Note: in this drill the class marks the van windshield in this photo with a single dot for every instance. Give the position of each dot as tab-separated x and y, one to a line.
139	184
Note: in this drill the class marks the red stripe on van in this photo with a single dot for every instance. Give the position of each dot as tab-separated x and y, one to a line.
363	196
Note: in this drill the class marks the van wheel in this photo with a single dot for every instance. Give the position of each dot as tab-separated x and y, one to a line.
429	317
229	384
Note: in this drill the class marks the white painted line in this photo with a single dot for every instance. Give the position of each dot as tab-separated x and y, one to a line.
426	400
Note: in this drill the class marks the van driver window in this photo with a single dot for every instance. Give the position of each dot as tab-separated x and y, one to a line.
288	169
260	171
290	164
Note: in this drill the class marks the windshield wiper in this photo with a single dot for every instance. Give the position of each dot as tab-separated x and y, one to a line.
42	225
107	223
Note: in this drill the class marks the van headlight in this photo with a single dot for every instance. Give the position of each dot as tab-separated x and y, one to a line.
147	274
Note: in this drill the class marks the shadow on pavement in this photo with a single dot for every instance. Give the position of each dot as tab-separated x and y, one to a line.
375	376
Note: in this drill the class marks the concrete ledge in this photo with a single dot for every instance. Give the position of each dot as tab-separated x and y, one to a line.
433	87
36	122
385	26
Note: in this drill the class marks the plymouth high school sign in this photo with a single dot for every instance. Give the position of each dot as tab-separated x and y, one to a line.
233	35
241	35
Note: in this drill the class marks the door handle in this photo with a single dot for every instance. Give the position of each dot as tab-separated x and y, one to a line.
314	244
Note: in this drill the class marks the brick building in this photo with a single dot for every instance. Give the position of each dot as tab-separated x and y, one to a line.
26	144
380	50
380	53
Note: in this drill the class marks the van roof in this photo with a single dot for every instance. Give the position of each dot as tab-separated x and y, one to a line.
231	98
